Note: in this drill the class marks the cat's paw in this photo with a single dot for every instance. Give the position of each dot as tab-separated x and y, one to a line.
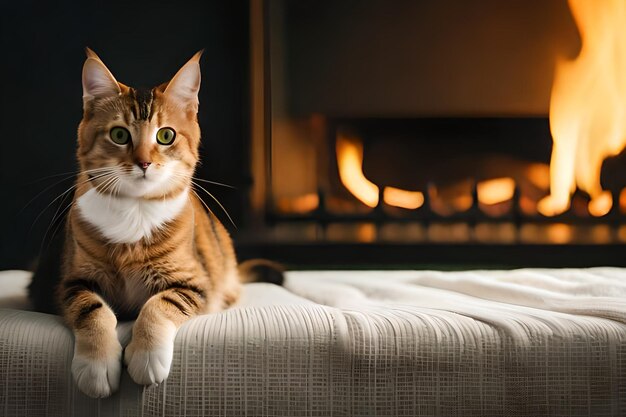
149	365
98	377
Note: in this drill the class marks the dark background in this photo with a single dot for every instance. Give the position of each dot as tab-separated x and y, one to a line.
373	58
143	43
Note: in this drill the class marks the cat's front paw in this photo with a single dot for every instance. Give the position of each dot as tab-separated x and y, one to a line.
98	376
149	363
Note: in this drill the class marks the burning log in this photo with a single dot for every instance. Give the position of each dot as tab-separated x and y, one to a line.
449	179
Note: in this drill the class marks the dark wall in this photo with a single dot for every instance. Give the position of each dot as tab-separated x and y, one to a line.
407	57
143	43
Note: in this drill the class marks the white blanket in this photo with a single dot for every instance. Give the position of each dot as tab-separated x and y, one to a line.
522	301
526	342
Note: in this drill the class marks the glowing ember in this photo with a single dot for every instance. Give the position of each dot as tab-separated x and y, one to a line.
588	107
403	198
366	232
452	198
300	204
495	191
559	233
622	200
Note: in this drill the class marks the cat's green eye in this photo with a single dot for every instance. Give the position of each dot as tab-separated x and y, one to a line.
120	135
165	136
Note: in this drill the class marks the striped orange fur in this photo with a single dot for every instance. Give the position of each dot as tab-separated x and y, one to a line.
139	242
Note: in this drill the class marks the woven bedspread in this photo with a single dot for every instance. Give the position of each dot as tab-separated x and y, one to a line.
480	343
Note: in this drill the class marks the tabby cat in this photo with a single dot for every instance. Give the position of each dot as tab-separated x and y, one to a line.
138	241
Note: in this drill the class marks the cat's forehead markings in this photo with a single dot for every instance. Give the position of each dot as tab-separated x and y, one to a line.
142	103
126	117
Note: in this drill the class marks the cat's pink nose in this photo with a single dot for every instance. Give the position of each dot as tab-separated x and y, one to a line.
143	165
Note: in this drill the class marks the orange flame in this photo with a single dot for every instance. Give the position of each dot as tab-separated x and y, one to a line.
588	107
350	163
495	191
402	198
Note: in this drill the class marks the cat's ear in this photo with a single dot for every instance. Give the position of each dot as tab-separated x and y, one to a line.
98	82
185	85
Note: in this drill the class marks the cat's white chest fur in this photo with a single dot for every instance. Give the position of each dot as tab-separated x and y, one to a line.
127	219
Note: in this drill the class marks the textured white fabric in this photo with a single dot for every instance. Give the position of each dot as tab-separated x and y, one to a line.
14	289
522	301
480	343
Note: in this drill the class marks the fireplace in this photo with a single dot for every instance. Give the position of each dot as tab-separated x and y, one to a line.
379	137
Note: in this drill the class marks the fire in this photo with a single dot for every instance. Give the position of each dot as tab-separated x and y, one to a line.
452	198
588	107
495	191
350	163
300	204
403	198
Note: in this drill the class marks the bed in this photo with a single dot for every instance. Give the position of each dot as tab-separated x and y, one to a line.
526	342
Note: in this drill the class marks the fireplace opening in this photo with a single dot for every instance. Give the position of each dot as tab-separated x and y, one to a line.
383	138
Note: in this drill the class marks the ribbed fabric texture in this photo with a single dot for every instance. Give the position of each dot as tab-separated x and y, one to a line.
516	343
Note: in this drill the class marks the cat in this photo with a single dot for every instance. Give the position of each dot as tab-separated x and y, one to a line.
138	242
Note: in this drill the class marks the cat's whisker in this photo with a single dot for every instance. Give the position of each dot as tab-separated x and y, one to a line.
69	174
96	170
66	174
214	183
105	186
202	201
56	229
102	187
61	195
181	179
57	216
115	187
114	172
179	174
111	196
113	190
101	169
192	178
118	186
43	191
75	186
59	223
217	201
